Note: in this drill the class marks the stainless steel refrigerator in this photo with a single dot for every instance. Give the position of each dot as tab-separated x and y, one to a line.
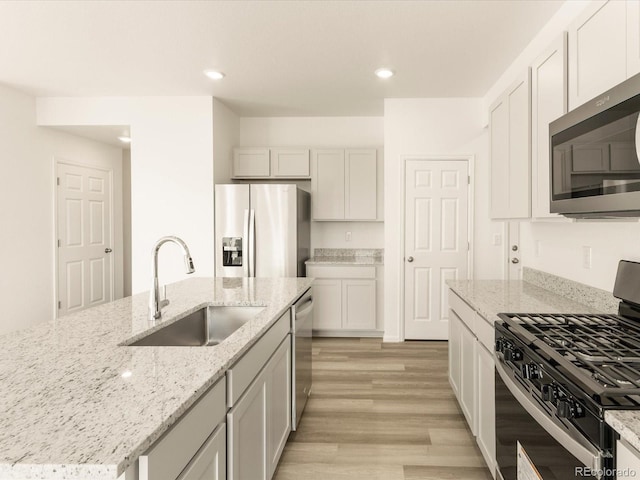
261	230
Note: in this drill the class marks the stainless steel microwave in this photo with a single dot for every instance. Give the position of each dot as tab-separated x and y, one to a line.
594	156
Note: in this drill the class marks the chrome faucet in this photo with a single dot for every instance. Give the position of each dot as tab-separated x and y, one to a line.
155	304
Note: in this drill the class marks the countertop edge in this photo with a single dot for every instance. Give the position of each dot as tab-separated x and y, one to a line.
626	423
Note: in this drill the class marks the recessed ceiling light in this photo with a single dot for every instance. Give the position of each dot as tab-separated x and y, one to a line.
384	73
125	139
214	74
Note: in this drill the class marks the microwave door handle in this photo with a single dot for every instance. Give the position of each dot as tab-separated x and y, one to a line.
637	140
252	243
588	455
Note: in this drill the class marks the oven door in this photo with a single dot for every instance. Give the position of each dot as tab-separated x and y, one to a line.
530	444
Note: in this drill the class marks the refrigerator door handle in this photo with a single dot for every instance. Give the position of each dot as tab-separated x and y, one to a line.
245	234
252	243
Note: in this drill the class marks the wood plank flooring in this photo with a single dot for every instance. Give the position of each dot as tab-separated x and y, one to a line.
381	411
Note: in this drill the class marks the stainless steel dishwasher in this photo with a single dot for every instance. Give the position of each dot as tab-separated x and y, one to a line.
302	325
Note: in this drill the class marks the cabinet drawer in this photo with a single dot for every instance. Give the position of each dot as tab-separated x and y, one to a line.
485	333
463	310
242	373
175	449
317	271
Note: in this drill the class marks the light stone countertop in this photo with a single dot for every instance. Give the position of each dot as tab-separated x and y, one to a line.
345	260
490	297
66	412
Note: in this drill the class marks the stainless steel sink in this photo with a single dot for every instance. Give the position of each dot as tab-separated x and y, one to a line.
205	327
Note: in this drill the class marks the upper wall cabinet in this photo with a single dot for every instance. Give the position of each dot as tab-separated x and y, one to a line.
548	102
344	184
509	125
271	163
598	53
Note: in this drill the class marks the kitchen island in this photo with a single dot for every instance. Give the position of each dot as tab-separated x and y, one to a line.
78	404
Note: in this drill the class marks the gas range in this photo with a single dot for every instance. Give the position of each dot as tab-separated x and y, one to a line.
557	375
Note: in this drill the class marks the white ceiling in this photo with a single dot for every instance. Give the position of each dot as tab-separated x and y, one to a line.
297	58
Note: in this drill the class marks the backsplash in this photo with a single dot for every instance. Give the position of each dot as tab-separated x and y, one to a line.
579	292
348	252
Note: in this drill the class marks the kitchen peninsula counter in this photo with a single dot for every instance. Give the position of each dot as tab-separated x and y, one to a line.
75	404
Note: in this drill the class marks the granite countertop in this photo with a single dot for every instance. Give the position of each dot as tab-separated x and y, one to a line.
347	256
490	297
66	410
345	260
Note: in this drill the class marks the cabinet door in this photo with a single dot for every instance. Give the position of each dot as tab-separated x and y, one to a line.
210	463
290	162
519	97
247	442
455	357
486	417
597	51
548	102
327	184
251	162
279	403
358	304
327	296
499	152
361	184
627	460
468	376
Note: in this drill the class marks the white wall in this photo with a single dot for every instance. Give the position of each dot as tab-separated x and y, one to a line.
433	126
171	173
27	278
323	132
226	135
557	247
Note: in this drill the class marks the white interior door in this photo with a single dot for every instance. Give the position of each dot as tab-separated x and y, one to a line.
84	222
436	242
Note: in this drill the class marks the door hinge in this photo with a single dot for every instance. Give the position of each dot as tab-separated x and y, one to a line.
468	179
59	304
468	246
57	180
58	243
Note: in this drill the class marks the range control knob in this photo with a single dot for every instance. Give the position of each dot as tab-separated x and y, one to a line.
512	354
530	371
569	409
549	392
500	345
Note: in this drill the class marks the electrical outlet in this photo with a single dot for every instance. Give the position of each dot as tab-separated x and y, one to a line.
586	257
347	236
538	248
497	239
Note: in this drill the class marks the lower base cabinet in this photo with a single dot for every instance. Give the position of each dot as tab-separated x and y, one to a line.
472	373
260	422
210	463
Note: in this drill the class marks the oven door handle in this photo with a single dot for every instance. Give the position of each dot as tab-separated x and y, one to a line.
587	454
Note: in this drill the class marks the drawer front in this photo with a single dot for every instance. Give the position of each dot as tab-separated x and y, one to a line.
463	310
242	373
329	271
485	333
171	454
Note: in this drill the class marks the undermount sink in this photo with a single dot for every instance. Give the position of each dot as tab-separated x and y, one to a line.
202	328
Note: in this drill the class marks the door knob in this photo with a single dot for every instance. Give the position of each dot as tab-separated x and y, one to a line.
107	250
515	260
410	259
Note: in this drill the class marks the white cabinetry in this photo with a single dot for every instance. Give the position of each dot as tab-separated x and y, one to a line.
548	102
346	299
270	163
472	372
509	124
210	463
627	461
598	50
259	421
186	443
344	184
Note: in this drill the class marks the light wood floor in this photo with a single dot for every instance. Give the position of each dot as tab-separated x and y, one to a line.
381	412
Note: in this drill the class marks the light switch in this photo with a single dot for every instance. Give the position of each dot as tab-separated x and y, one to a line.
586	257
497	239
538	248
